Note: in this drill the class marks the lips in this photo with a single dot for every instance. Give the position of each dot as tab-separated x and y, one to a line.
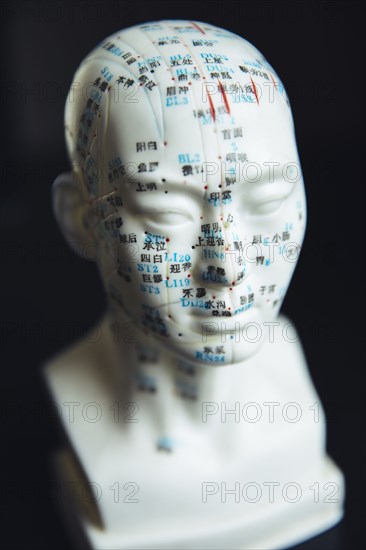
204	323
191	323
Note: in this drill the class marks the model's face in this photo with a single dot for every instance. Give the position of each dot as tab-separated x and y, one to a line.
203	259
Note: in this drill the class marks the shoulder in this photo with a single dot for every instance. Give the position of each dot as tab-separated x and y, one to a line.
283	357
81	361
285	341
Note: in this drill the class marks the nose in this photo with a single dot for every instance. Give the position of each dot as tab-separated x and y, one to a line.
219	253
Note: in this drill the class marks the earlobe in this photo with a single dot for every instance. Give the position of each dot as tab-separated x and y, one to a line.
69	203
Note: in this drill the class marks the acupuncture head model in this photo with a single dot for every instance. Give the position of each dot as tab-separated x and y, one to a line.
185	187
182	144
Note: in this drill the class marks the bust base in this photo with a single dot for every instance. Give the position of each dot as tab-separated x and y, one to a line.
276	525
172	513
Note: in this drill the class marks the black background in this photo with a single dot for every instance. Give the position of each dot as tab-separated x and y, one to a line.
49	297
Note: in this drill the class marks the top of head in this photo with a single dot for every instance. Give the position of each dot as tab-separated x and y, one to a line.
168	89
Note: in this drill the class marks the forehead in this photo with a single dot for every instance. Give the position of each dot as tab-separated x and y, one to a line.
223	151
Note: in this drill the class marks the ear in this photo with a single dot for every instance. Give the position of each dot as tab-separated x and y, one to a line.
69	204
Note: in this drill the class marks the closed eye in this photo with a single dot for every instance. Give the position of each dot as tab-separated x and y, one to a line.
170	218
267	208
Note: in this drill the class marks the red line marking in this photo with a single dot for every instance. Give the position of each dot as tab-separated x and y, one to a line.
274	83
212	108
255	90
197	27
222	90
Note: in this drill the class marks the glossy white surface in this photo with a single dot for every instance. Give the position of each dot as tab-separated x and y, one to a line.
187	188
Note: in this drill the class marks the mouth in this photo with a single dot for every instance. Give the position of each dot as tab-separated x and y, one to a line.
194	323
225	322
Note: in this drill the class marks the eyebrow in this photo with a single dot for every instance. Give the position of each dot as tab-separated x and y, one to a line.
271	176
195	190
172	186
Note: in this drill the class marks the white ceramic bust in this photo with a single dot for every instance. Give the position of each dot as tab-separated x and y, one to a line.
190	408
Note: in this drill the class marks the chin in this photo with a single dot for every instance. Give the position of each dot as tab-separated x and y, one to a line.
192	350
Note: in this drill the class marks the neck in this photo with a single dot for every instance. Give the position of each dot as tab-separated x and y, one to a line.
174	391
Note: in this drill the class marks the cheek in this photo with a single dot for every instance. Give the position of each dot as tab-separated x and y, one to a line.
152	266
279	239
